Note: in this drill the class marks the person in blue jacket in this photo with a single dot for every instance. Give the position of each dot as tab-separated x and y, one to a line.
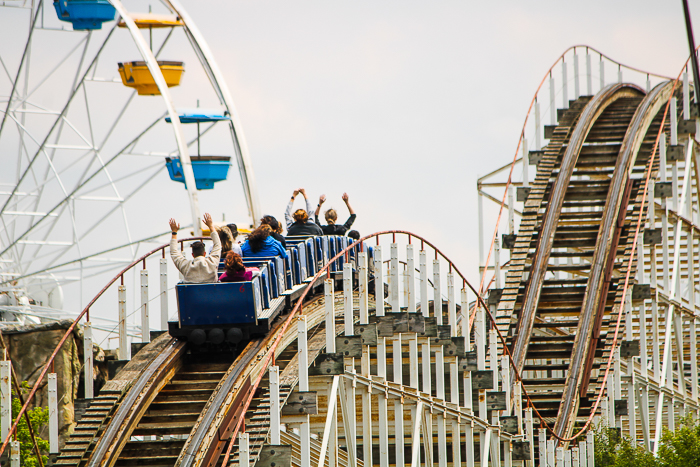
260	243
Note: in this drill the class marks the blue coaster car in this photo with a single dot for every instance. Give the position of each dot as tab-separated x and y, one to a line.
85	14
217	311
207	170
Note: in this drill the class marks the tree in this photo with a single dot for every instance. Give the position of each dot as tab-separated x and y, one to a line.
39	417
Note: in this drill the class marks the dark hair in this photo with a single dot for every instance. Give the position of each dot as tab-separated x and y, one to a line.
272	222
300	215
258	236
354	234
234	230
225	238
233	262
198	248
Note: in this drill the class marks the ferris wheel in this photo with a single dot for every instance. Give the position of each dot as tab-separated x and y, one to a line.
100	129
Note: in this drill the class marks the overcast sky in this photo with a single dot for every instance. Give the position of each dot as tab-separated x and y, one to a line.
400	104
403	103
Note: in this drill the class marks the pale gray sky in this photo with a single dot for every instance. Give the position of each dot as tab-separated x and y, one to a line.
402	104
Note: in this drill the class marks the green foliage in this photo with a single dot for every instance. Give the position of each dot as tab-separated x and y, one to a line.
39	417
612	450
680	448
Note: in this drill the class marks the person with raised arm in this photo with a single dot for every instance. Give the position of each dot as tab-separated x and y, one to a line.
288	218
331	217
202	267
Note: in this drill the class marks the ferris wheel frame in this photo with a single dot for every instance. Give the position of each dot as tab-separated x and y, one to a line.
213	73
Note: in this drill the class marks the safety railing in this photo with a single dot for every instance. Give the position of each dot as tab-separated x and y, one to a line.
85	313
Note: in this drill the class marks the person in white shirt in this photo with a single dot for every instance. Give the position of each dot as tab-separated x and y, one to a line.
202	267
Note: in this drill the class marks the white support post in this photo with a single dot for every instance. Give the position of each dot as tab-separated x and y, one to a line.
88	361
686	96
415	435
497	263
145	321
274	375
526	171
538	138
590	449
456	443
511	206
365	363
565	86
575	457
552	453
394	280
602	73
378	281
439	356
53	414
14	454
163	294
530	434
363	292
589	75
480	212
381	361
398	403
305	428
582	454
5	398
577	89
619	74
348	299
329	300
410	280
425	310
442	441
552	103
542	439
244	449
123	345
648	83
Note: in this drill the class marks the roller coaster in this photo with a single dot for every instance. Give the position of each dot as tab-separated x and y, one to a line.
365	353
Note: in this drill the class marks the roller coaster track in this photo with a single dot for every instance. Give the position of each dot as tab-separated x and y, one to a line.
609	231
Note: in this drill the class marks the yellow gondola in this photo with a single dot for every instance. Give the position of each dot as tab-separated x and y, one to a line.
136	75
150	20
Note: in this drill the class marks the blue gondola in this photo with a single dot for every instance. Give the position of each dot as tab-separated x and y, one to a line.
207	169
85	14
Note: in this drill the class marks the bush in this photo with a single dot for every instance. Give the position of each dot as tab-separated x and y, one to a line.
39	417
680	448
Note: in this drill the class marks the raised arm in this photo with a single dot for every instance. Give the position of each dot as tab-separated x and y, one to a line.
175	253
308	202
347	203
288	213
216	249
321	200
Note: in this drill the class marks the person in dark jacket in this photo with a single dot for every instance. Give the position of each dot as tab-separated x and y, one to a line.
276	229
302	225
331	217
260	243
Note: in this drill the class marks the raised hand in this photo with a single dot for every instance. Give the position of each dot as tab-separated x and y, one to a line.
322	199
345	197
208	222
295	193
174	226
303	192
